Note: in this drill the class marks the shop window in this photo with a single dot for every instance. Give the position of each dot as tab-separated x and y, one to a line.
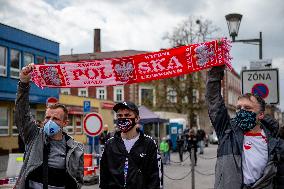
4	121
118	93
83	92
101	93
28	58
78	124
40	60
15	59
3	61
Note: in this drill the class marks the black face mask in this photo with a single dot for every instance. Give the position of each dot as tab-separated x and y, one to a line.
125	124
246	120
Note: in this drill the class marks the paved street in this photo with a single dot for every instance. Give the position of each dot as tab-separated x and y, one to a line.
176	171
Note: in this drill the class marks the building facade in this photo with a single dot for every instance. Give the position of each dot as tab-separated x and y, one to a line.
17	49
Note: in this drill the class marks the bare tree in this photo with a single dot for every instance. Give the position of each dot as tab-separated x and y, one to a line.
185	94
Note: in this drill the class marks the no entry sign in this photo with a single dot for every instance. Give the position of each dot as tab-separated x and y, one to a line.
263	82
93	124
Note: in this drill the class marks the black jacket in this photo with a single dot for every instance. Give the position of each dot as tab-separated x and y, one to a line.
143	169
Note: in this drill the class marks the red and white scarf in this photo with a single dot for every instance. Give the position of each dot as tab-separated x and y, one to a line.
134	69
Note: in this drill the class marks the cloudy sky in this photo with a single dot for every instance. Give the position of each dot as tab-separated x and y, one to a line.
141	24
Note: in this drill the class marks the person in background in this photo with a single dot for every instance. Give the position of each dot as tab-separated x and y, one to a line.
170	143
130	158
180	145
105	135
192	144
164	149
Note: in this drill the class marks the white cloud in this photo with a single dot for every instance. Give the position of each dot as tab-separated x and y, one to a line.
141	24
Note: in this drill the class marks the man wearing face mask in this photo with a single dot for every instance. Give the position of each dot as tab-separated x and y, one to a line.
129	159
247	151
52	158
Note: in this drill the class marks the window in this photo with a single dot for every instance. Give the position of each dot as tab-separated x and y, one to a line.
184	99
4	121
195	96
51	60
194	120
101	93
65	91
15	59
78	124
3	61
28	58
70	128
147	96
83	92
171	95
40	60
118	94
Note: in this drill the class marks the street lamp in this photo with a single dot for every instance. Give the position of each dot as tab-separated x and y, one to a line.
234	21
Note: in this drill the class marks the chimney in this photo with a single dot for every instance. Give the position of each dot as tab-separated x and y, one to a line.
97	40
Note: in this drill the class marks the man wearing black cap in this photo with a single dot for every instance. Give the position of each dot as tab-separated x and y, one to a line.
129	159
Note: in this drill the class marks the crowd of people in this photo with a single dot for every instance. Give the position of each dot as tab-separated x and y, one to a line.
250	151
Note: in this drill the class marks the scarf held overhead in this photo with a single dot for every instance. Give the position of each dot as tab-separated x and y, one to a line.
134	69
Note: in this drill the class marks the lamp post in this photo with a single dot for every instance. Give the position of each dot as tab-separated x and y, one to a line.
234	21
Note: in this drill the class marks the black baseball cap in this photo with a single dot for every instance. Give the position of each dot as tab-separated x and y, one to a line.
126	105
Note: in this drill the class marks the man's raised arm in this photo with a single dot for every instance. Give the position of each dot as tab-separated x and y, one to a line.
216	107
23	118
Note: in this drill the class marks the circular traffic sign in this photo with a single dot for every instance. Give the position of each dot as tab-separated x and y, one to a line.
260	89
93	124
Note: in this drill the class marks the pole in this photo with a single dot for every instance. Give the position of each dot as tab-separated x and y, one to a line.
158	132
260	45
192	168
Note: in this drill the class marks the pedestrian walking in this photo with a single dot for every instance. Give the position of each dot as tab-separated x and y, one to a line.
130	158
201	135
180	146
191	140
52	158
248	150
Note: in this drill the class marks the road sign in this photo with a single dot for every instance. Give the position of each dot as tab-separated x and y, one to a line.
260	64
51	100
263	82
87	106
93	124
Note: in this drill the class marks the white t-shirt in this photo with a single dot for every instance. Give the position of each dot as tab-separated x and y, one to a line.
129	143
255	156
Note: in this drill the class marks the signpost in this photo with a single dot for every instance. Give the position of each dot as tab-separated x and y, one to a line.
93	124
263	82
51	100
87	106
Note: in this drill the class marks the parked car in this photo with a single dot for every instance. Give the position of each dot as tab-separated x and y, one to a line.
213	139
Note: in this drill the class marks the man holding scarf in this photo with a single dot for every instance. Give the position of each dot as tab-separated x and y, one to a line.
248	149
130	158
52	158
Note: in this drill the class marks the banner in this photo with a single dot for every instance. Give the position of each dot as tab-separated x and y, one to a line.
133	69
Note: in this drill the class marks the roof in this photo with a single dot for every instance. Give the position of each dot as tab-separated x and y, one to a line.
100	55
147	116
